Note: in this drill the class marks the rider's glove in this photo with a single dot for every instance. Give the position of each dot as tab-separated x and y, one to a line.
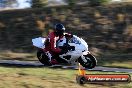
64	50
66	46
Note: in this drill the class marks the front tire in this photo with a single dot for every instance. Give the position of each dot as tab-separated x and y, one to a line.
90	61
43	58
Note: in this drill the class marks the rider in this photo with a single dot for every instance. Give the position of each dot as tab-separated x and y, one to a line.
52	39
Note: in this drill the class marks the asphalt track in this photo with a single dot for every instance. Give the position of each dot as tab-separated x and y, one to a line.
38	64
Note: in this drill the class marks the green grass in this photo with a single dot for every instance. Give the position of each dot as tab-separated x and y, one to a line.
115	60
27	77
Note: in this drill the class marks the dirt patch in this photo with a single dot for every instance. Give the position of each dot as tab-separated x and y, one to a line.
9	55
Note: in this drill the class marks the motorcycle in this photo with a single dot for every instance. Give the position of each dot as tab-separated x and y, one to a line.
77	52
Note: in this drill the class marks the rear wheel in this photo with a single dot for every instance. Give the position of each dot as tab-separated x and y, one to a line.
88	61
42	57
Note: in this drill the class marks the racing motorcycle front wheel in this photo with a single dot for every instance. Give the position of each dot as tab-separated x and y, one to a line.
42	57
88	61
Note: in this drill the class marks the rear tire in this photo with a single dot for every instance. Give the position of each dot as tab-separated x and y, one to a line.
91	61
43	58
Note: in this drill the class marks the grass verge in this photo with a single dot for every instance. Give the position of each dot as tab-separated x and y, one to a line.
115	60
27	77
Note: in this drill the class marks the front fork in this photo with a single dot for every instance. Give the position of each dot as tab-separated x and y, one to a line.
83	56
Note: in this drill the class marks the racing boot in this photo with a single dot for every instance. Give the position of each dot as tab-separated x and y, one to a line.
54	61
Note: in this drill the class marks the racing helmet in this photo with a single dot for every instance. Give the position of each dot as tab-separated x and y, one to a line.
59	29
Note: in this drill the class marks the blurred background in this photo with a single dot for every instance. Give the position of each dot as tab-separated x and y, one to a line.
106	25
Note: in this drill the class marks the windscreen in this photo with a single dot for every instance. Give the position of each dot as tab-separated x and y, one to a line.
74	40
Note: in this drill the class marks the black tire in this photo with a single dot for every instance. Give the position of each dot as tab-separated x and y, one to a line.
91	61
43	58
80	79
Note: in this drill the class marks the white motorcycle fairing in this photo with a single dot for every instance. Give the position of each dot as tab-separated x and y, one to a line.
39	42
79	54
80	48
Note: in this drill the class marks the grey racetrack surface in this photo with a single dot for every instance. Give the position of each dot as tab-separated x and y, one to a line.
38	64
